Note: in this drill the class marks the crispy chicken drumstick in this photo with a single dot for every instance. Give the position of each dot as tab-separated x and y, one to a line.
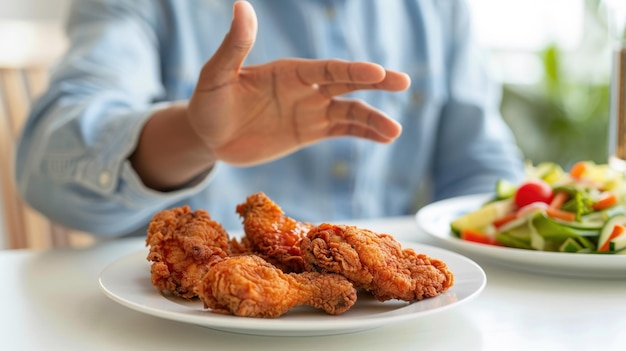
271	234
183	244
374	262
249	286
281	263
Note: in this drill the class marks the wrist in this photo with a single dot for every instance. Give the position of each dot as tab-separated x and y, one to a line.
170	153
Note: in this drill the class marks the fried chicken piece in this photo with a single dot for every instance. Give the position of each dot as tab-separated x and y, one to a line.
183	244
374	262
249	286
271	234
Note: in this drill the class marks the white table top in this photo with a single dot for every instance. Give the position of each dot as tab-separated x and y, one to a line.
51	301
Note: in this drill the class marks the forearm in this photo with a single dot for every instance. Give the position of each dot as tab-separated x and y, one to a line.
169	153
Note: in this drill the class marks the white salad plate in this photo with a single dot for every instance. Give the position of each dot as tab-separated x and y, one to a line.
127	281
434	220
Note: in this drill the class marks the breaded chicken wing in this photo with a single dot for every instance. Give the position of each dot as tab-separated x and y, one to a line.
183	244
249	286
271	234
374	262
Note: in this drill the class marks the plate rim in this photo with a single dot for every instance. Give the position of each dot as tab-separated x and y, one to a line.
327	325
513	256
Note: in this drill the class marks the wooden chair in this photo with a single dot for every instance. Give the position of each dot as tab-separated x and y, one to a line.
25	227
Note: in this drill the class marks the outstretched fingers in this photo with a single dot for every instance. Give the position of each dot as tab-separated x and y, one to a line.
393	81
355	118
338	71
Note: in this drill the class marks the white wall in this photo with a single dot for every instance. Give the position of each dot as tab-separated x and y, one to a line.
33	10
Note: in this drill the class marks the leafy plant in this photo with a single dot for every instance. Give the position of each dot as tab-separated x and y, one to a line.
564	118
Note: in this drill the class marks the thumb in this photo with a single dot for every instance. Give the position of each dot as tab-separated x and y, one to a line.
236	45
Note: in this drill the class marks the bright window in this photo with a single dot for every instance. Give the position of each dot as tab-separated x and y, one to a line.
528	25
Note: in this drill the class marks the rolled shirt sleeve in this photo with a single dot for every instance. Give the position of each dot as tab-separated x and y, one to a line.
72	160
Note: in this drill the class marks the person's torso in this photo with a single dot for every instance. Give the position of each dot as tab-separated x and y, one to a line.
340	178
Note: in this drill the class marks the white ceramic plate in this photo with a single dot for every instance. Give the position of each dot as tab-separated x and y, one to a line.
434	219
127	281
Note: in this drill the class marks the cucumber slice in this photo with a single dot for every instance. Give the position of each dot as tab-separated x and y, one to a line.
618	243
537	242
483	216
594	220
570	245
607	230
548	171
511	240
505	189
585	225
548	235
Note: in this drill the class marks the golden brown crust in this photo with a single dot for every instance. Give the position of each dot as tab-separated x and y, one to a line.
374	262
282	263
271	234
183	244
249	286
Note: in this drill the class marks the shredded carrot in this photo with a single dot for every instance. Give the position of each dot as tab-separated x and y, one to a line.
617	231
578	169
607	200
559	199
560	214
504	220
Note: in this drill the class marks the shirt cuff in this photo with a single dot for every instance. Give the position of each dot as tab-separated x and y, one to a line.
110	173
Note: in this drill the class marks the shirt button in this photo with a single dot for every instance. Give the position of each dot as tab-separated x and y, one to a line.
340	170
416	98
104	179
330	12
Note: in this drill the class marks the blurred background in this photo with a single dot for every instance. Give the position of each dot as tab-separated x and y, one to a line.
553	58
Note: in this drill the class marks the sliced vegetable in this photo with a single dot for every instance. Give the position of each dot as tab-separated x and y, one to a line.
547	171
579	169
617	243
533	191
560	197
596	220
498	223
560	214
579	211
505	189
613	229
537	241
570	245
608	199
549	235
482	217
518	237
477	237
580	203
591	223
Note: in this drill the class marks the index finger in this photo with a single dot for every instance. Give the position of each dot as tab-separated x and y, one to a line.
338	71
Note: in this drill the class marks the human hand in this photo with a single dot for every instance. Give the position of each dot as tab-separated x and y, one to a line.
254	114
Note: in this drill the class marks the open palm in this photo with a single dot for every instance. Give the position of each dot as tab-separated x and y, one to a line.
253	114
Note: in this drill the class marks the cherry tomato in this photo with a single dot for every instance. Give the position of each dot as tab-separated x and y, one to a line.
533	191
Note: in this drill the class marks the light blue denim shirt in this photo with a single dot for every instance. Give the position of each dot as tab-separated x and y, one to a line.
128	58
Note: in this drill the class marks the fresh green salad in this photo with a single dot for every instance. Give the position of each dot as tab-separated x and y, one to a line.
582	210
